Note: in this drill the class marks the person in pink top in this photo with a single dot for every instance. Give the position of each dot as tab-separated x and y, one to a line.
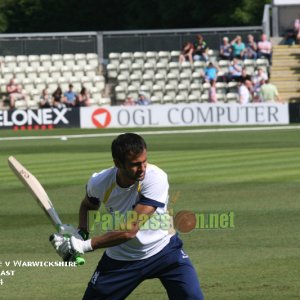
264	48
212	92
297	29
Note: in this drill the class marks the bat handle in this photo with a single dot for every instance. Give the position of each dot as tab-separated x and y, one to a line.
79	260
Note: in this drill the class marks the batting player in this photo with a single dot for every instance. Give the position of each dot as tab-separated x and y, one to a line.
136	253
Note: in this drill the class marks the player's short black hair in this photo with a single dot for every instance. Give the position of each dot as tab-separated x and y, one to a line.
127	143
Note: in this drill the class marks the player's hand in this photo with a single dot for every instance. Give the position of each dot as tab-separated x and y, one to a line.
68	230
71	247
59	243
56	240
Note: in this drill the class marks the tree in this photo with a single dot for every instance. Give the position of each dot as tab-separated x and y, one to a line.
20	16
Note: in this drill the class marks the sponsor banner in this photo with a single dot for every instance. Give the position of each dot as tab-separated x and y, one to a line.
184	115
35	118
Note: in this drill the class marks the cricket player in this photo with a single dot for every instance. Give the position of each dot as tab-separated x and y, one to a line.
137	252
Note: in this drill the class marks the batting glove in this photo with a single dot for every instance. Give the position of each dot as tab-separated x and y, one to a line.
71	247
57	240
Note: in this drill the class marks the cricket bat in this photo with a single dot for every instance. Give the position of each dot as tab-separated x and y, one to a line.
39	194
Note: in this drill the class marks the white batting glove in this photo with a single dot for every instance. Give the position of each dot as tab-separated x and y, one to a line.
72	247
57	240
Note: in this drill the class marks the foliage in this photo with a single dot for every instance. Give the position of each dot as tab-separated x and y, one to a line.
71	15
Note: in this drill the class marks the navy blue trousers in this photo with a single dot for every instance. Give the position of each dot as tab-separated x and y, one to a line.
115	279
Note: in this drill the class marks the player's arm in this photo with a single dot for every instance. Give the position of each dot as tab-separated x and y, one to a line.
114	238
69	248
86	205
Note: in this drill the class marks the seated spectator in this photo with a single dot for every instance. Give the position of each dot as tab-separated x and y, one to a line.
226	49
257	78
297	30
238	47
15	92
211	72
264	48
251	48
83	98
45	99
142	99
245	76
200	49
69	98
268	92
57	97
186	53
212	92
4	100
249	85
244	93
235	70
290	37
129	101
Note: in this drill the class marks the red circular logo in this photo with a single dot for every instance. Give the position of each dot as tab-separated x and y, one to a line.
101	117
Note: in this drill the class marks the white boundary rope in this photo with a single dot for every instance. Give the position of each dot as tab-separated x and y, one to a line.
160	132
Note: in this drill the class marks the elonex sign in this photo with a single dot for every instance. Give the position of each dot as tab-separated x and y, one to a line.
47	116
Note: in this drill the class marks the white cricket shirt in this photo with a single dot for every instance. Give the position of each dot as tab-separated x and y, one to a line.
153	191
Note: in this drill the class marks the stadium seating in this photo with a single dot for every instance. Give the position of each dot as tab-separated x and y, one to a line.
158	73
36	72
167	78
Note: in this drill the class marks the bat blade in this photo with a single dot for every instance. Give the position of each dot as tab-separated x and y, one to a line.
39	194
36	189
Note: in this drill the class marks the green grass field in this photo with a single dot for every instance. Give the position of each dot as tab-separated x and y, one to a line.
255	174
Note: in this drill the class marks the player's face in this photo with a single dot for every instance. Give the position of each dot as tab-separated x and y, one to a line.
134	169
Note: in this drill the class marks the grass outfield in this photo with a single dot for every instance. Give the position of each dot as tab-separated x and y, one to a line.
254	174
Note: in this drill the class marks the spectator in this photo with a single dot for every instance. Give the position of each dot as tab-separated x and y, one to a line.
235	70
264	48
129	101
143	99
225	49
238	47
251	48
70	96
15	92
211	72
297	30
83	98
257	78
268	92
290	37
45	99
245	75
250	87
244	94
200	49
187	53
212	92
57	98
